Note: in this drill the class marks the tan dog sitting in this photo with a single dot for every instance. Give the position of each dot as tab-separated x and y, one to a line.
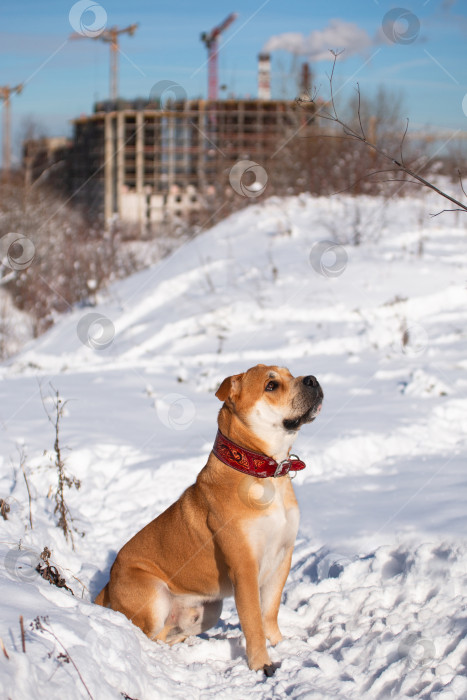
233	531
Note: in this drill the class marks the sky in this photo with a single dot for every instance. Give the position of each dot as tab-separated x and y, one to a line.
417	53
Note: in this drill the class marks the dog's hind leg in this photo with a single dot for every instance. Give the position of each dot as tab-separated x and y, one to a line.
143	598
103	597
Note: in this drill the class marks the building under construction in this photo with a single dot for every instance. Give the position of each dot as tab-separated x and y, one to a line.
144	164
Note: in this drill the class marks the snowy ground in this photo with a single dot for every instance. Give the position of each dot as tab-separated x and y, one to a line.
376	602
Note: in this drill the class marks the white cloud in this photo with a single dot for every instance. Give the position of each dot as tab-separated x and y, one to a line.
337	35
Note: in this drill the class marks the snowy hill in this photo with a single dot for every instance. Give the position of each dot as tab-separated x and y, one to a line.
376	602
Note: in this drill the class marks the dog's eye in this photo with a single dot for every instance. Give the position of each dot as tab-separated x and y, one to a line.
271	386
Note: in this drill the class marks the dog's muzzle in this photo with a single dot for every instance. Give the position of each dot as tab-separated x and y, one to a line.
309	403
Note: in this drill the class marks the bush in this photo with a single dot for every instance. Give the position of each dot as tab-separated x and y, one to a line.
72	258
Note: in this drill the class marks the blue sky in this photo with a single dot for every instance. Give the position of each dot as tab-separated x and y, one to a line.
426	62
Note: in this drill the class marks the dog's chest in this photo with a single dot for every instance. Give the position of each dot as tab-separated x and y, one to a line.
272	534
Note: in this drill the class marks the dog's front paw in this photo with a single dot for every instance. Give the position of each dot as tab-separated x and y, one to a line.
259	661
269	670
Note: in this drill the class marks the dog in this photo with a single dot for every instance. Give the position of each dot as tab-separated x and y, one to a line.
233	530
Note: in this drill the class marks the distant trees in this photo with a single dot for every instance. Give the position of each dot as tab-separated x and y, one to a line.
55	260
319	157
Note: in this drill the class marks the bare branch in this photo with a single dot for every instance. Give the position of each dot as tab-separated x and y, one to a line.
65	520
336	54
359	112
361	137
461	183
43	625
23	638
403	139
22	462
443	211
364	177
5	653
402	179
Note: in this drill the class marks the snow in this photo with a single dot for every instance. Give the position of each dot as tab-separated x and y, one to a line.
376	602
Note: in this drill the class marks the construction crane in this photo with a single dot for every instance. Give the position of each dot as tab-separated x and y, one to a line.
111	37
5	93
210	40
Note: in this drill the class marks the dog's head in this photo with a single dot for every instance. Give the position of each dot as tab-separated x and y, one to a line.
270	399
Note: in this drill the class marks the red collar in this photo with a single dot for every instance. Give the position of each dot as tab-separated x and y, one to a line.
253	463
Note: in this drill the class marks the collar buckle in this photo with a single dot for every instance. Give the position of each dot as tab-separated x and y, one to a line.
285	464
292	464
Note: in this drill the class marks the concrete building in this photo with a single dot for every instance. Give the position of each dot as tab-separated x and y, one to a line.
46	157
145	164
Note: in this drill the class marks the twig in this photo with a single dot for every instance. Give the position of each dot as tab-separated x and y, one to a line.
443	211
368	175
85	588
407	182
4	509
359	111
23	638
402	141
22	460
65	520
336	54
461	183
5	653
40	626
51	572
349	131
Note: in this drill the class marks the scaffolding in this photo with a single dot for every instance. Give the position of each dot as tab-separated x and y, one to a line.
143	164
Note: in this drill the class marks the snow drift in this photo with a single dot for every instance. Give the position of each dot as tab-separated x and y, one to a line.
375	605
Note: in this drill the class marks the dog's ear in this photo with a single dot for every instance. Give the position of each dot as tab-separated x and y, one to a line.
229	386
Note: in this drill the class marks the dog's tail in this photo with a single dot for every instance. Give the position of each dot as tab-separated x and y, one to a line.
103	598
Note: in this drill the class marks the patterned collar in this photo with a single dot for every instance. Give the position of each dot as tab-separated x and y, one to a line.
253	463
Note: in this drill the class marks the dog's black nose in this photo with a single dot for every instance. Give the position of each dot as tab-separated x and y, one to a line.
310	381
